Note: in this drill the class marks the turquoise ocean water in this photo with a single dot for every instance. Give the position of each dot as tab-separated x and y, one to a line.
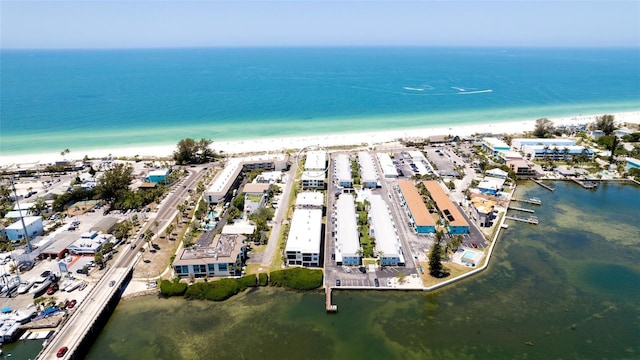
79	99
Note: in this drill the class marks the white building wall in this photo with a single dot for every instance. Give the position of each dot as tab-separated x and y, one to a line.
343	171
316	160
347	236
368	172
304	240
389	170
384	230
33	224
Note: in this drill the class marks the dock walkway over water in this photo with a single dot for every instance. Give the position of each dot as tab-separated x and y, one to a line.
586	184
543	184
534	201
521	209
329	306
530	220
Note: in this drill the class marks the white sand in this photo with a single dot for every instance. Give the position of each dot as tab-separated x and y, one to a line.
279	144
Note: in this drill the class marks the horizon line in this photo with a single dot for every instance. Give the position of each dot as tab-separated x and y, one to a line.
196	47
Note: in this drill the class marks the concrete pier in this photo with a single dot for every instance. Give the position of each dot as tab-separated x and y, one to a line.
329	306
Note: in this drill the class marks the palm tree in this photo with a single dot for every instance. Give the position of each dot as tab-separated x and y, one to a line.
565	153
546	150
555	152
584	154
148	236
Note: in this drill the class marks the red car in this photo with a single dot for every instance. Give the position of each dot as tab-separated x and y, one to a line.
63	350
52	289
71	304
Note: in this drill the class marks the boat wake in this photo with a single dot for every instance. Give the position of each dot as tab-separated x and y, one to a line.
413	89
475	92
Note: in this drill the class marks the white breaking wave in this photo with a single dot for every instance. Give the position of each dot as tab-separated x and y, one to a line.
458	88
413	89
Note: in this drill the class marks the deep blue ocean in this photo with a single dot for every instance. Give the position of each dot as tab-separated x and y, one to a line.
82	99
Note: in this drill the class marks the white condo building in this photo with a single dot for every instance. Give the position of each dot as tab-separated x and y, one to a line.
316	160
347	236
368	173
386	164
342	169
304	240
385	233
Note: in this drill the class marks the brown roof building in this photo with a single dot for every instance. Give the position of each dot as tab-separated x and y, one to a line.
419	216
457	224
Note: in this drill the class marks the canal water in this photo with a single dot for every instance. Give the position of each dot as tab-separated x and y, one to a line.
567	288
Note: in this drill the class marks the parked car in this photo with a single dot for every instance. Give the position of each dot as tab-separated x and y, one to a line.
45	274
83	270
63	350
25	265
111	283
52	289
376	282
71	304
337	282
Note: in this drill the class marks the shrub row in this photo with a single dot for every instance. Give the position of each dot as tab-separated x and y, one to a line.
263	279
220	290
294	278
172	288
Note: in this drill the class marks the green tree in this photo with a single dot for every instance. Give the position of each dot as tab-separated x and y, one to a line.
234	213
39	206
114	182
98	258
435	256
606	124
543	128
190	151
186	152
200	187
148	236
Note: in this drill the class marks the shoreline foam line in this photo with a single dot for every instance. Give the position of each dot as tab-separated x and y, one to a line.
276	143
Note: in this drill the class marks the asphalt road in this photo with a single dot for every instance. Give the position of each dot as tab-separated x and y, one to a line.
79	323
272	245
167	210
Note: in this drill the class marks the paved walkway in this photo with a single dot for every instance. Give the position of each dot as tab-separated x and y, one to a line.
272	245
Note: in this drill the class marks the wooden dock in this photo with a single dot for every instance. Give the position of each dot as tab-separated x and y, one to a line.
586	184
534	201
330	307
530	220
521	209
543	184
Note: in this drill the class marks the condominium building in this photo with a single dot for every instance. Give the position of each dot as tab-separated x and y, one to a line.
347	239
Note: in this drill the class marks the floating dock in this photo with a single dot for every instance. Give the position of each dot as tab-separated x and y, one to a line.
521	209
534	201
529	220
543	184
330	307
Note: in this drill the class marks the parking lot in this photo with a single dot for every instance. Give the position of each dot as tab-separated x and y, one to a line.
415	247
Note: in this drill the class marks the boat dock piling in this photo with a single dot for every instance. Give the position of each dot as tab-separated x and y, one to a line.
330	307
521	209
543	185
530	220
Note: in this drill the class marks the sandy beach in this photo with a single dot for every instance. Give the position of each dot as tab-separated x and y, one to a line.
325	140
